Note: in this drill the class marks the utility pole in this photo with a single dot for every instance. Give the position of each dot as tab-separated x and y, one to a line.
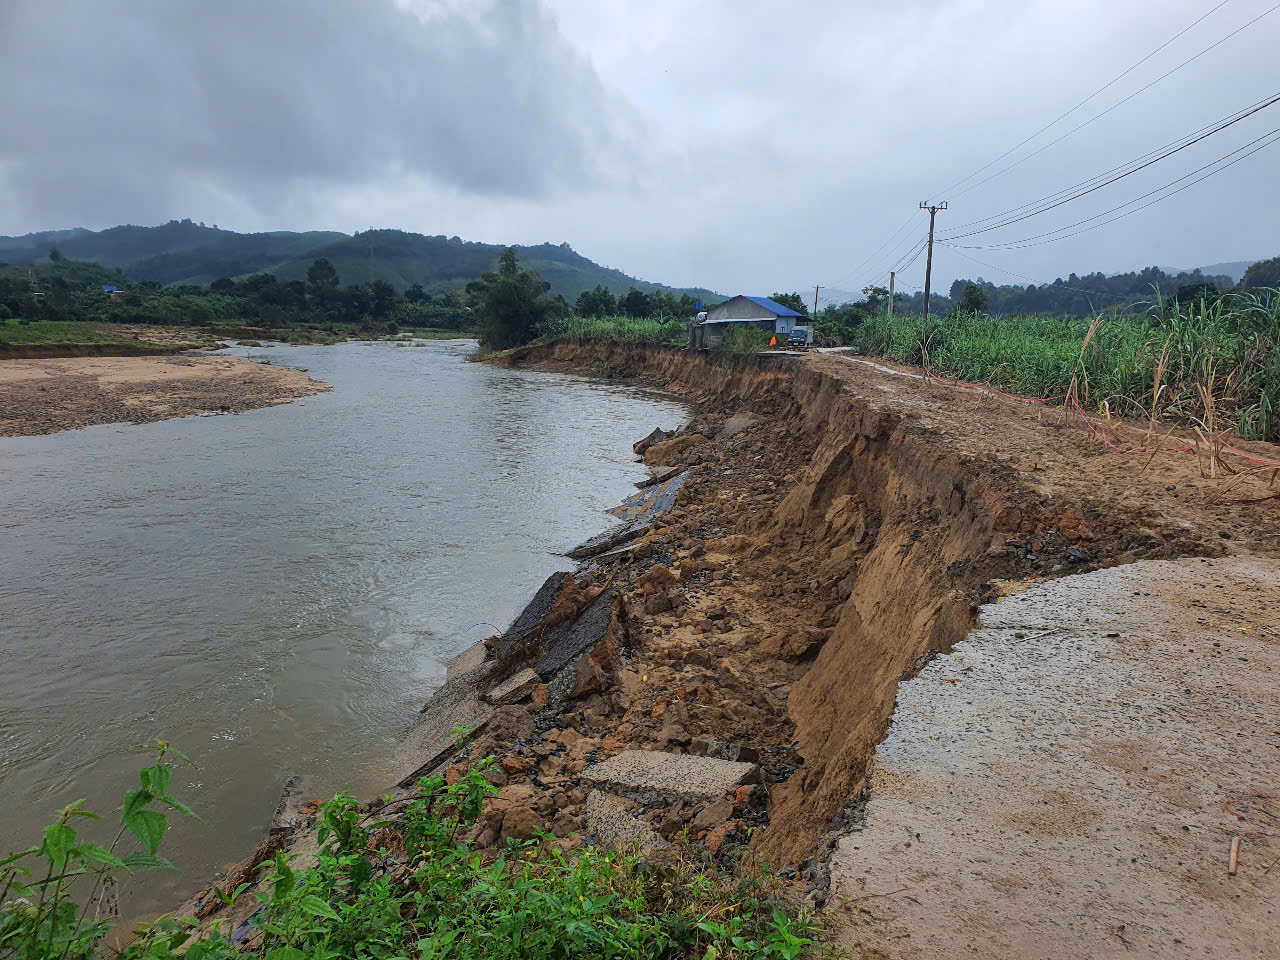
815	302
891	293
928	265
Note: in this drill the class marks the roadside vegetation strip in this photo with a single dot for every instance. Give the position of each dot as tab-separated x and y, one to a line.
397	881
1214	364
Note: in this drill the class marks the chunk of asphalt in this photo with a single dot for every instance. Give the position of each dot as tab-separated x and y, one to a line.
565	641
535	610
514	688
434	737
637	513
659	475
658	435
614	537
669	774
616	828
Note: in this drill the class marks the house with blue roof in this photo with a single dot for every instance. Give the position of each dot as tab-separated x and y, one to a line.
761	312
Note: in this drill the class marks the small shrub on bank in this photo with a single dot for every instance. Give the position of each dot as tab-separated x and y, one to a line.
745	340
403	883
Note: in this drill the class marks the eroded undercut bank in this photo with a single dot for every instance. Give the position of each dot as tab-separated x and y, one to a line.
724	665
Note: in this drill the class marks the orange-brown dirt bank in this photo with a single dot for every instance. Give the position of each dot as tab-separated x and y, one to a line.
824	552
837	526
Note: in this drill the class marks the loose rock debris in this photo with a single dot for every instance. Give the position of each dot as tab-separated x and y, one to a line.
812	558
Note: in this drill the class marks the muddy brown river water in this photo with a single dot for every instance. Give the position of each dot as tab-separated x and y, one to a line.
276	592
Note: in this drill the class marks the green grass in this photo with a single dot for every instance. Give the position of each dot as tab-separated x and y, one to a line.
69	333
400	882
621	329
1218	362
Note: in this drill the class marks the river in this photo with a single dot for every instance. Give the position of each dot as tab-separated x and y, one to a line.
277	592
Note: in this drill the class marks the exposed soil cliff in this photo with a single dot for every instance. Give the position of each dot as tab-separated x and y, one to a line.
861	519
724	671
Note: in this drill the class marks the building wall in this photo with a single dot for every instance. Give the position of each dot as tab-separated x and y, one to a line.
739	308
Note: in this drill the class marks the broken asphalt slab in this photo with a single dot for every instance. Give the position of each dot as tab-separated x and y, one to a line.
637	512
565	641
669	774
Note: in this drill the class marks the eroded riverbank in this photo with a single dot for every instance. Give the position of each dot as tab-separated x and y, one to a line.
838	527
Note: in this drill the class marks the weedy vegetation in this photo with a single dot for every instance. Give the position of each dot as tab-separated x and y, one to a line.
632	331
401	883
1213	362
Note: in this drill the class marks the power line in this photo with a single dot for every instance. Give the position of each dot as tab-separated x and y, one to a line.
1143	162
1105	86
1039	239
902	262
1115	105
874	252
897	255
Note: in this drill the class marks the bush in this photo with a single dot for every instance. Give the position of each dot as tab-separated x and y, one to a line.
402	882
745	340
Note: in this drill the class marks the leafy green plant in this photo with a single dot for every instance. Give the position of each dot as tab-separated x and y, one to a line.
40	915
404	882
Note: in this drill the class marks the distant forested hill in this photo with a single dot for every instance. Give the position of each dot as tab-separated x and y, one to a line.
181	251
1082	295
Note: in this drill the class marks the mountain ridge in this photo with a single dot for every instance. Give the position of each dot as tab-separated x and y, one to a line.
185	252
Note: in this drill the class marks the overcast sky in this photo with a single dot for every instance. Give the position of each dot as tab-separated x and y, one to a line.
744	145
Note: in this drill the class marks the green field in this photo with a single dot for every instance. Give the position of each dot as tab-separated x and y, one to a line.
1214	364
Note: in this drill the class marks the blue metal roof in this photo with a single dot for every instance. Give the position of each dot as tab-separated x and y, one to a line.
773	306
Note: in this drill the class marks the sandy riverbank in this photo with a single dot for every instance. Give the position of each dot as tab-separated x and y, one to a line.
46	396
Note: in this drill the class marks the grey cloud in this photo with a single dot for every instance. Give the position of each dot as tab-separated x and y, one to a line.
144	110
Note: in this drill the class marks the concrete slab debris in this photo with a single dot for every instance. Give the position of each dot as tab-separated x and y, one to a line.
540	605
514	688
615	827
669	774
466	661
432	739
1068	780
659	475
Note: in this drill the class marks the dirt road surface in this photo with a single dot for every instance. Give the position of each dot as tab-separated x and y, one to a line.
46	396
1069	780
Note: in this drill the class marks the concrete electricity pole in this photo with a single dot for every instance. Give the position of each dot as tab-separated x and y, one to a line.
891	293
928	265
815	303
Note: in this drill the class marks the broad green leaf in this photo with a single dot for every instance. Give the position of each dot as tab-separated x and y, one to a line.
142	860
148	826
99	854
18	856
156	779
318	908
135	800
179	806
58	839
